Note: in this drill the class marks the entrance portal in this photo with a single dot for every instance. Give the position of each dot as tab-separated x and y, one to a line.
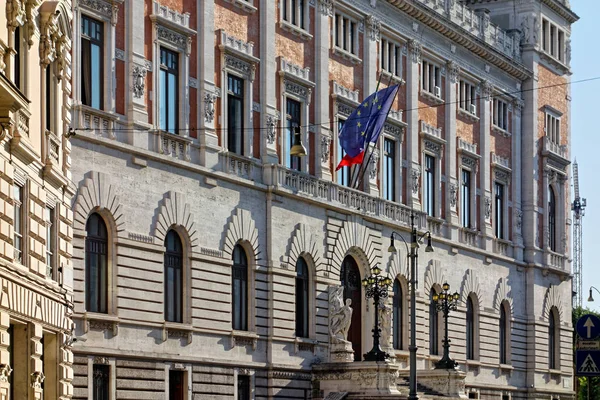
350	277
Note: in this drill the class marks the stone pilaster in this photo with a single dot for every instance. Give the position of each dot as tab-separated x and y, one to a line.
372	36
65	366
485	197
323	12
451	204
413	169
36	368
5	367
268	71
517	212
136	65
206	91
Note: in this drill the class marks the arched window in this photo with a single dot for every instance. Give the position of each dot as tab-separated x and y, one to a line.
551	219
173	278
398	303
239	278
433	325
470	330
96	269
502	329
301	298
552	339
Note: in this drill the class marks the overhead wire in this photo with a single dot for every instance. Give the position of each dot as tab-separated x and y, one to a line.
326	123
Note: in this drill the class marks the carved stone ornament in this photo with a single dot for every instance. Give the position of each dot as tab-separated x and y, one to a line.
326	7
139	80
568	51
271	122
536	29
298	90
501	175
374	27
373	165
5	371
519	215
433	147
240	66
178	40
452	71
488	207
340	315
15	13
325	146
453	194
486	89
415	50
415	175
343	109
525	30
101	360
37	378
49	36
102	7
469	162
385	324
209	106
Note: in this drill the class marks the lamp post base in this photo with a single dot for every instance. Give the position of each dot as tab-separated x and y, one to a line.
376	354
446	363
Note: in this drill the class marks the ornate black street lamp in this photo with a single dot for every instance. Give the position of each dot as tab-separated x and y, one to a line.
376	288
446	302
413	256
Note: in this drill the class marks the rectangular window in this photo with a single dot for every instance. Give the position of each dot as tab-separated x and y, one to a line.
431	78
168	82
243	387
552	128
100	382
293	122
390	55
561	46
389	169
346	34
345	173
17	58
499	220
500	114
92	45
467	97
545	35
18	223
552	40
50	242
466	199
177	385
295	12
430	185
48	97
235	114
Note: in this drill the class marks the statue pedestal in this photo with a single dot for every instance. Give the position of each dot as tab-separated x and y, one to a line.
449	383
361	380
341	352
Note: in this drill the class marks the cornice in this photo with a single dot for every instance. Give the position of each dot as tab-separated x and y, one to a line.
462	37
562	10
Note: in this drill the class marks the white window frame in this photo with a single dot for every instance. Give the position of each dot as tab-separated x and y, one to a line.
431	70
338	31
397	165
467	97
22	205
51	233
177	37
107	13
23	58
112	376
237	59
286	21
553	40
394	68
470	167
432	145
295	85
500	108
552	121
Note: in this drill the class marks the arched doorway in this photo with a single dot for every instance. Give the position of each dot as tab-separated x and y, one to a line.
352	290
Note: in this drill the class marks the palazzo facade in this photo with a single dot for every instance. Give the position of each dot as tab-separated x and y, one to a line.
203	251
36	274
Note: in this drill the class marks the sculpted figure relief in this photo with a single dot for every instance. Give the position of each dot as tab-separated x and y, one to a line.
385	324
340	316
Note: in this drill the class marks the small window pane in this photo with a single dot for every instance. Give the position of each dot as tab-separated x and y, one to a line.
96	246
100	382
240	289
302	313
173	277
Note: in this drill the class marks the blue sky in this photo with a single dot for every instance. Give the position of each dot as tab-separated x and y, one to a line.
585	133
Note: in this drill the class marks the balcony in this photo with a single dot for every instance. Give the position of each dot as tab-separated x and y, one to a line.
556	260
556	152
469	237
51	157
329	193
244	167
92	119
174	145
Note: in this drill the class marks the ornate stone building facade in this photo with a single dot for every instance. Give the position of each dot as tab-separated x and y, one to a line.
36	298
204	250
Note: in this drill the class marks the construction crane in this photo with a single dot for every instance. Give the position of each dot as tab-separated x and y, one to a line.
578	208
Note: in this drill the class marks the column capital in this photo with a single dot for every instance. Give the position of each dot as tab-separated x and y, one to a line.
452	71
486	89
326	7
415	50
373	27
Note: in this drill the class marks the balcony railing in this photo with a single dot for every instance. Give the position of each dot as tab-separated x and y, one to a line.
52	148
469	237
556	148
241	166
97	120
174	145
556	260
332	193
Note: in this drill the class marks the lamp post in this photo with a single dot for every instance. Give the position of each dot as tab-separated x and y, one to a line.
591	298
376	287
446	302
412	255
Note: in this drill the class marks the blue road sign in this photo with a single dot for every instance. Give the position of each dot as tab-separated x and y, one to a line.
588	327
588	363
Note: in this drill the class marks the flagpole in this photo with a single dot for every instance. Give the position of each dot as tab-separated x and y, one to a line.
355	173
361	177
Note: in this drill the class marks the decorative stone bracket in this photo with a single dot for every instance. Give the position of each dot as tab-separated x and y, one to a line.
303	344
101	323
244	338
177	331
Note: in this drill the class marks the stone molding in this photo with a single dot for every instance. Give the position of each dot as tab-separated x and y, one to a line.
553	298
175	211
470	284
241	227
96	193
503	293
433	276
303	243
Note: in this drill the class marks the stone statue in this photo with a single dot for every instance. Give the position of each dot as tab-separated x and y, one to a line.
340	316
385	324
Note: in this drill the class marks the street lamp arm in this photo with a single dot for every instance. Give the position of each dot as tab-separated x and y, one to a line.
398	235
591	298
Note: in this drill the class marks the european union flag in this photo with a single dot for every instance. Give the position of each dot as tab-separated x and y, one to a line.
364	125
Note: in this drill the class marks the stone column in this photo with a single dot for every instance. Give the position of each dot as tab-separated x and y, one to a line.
5	367
206	92
65	365
372	37
485	203
136	69
413	168
268	80
36	374
451	206
323	12
517	213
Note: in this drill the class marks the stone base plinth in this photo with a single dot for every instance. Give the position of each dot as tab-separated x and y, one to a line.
341	352
361	380
448	382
